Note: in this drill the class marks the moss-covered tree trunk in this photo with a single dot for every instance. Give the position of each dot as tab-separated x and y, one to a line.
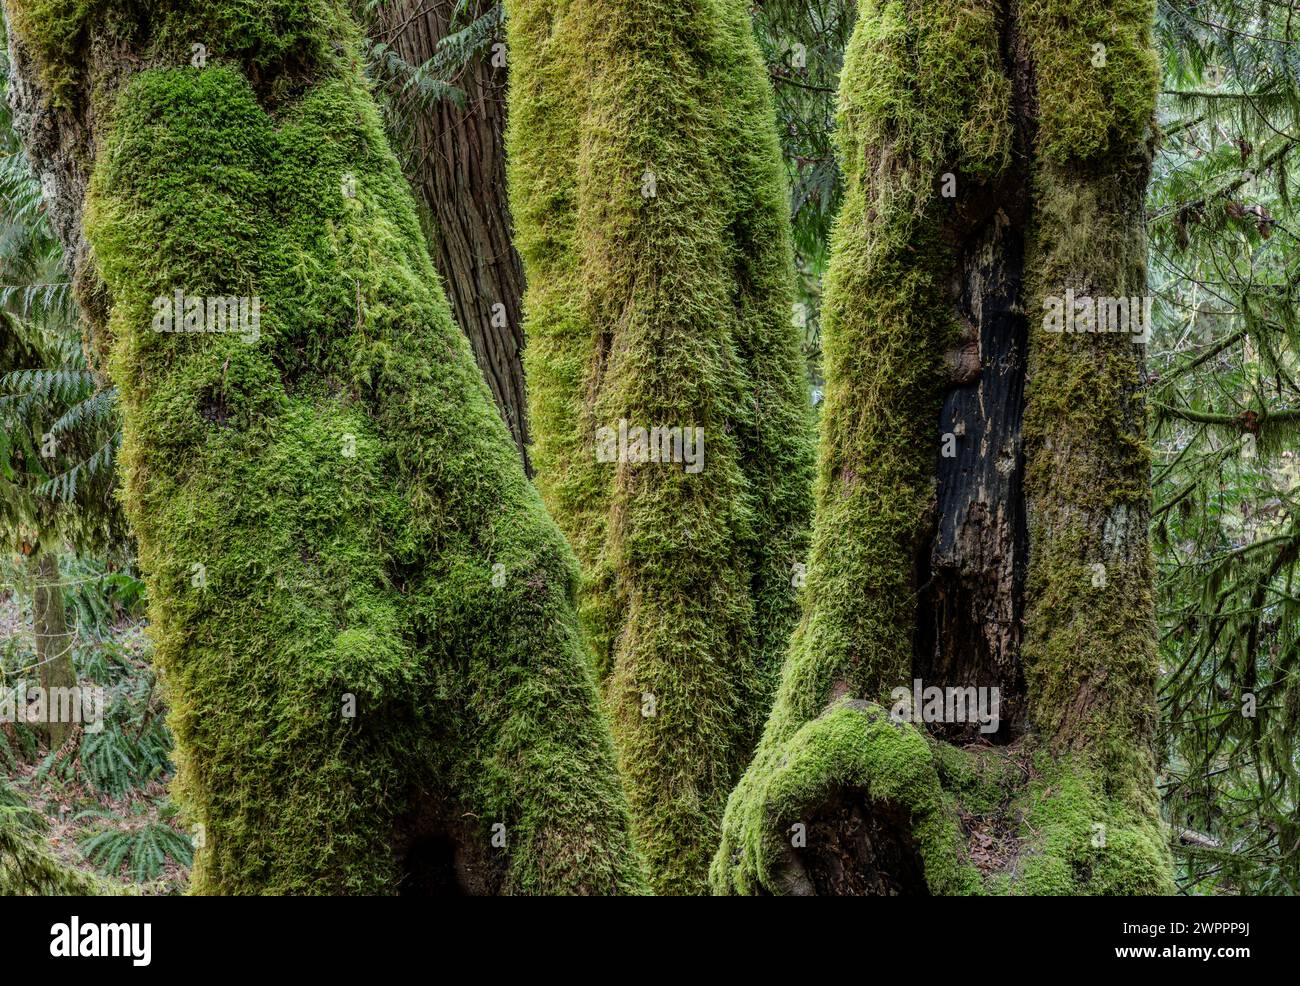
652	218
983	486
457	164
53	639
363	614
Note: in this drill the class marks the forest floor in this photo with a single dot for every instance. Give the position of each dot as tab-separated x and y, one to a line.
101	800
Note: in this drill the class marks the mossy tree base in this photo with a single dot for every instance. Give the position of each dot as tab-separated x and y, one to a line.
857	803
851	764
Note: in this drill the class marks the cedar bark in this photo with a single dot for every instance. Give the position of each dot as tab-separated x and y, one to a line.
456	163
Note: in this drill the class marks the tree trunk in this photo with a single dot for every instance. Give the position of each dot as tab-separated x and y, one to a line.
456	162
652	217
53	640
362	613
996	157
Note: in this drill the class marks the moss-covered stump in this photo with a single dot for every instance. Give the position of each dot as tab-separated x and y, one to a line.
851	803
363	615
652	219
859	803
982	486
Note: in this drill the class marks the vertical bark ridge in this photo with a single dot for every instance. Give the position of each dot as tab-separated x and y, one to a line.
456	162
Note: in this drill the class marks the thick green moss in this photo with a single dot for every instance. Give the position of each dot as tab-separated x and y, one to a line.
1077	840
852	746
652	215
922	93
1095	75
546	103
981	779
321	512
275	40
1089	649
